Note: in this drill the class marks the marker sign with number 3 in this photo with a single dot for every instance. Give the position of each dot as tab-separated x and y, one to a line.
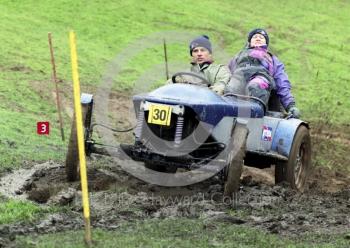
43	128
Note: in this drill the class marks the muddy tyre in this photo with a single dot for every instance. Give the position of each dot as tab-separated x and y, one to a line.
236	160
72	157
295	171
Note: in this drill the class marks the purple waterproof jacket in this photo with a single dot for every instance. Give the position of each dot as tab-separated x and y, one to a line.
276	70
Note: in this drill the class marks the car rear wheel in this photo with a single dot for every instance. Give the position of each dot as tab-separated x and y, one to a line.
295	171
236	159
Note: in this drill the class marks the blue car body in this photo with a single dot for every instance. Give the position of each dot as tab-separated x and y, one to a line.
270	135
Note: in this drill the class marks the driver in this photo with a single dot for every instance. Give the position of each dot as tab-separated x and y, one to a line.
203	64
261	72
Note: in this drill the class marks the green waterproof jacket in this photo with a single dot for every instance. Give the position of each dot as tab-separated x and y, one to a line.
214	73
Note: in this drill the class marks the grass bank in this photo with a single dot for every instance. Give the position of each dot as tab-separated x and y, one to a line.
180	233
309	37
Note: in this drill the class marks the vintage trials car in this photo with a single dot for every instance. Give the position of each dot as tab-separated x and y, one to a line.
186	125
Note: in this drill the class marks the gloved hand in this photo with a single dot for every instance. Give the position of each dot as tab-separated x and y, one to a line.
218	88
293	111
180	80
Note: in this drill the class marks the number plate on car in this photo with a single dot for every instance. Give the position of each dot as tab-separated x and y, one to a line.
159	114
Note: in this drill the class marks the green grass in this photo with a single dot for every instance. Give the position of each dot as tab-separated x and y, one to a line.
309	37
331	154
179	233
14	211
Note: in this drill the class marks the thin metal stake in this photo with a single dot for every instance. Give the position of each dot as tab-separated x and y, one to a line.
54	79
166	60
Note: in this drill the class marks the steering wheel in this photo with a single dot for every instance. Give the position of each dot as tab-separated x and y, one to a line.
182	73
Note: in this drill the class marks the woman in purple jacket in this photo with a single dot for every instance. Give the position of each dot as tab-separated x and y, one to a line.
255	72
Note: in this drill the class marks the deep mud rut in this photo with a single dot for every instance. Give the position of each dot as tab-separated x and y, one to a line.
116	196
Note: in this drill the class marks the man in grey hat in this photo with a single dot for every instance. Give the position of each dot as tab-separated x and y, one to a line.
202	64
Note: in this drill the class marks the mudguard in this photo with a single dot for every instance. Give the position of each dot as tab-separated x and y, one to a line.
284	135
271	136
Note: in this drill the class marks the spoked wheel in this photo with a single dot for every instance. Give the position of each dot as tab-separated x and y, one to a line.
72	157
295	171
236	159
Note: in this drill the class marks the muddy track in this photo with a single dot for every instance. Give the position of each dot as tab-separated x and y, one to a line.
116	196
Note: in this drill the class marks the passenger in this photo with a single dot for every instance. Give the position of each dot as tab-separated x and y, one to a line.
203	64
260	71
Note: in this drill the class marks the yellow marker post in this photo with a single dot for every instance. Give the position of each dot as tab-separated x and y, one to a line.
81	146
